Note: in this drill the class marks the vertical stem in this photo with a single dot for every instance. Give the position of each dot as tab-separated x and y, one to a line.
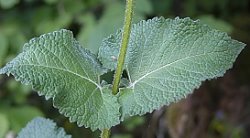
105	133
124	45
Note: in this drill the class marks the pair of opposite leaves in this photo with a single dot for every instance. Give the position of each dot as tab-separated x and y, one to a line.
166	59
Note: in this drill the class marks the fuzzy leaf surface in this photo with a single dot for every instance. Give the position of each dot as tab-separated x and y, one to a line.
41	127
167	59
59	68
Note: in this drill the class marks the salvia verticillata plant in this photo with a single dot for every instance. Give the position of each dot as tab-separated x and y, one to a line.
165	60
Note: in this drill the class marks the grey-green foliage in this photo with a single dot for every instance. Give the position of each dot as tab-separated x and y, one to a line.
166	60
42	128
59	68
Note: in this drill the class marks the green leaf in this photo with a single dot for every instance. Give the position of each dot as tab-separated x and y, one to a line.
4	125
167	59
59	68
19	116
41	127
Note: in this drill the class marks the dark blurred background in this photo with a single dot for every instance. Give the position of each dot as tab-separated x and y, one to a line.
220	108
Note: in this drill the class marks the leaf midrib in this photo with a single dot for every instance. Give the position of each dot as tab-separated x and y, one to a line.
169	64
65	70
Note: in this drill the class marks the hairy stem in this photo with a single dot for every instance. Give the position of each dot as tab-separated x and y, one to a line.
124	45
105	133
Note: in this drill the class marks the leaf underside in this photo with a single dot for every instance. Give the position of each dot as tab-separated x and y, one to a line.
166	60
40	127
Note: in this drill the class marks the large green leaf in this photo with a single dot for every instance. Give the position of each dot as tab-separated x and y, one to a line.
167	59
42	128
59	68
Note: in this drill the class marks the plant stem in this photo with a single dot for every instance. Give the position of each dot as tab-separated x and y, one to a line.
105	133
124	45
